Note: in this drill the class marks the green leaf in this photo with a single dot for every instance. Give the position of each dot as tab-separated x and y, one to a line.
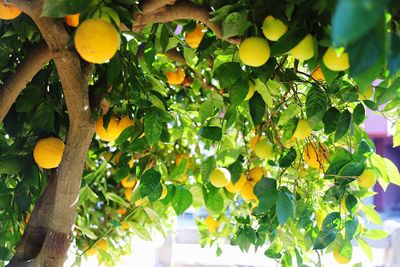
257	108
267	194
263	90
235	73
117	199
349	19
331	119
207	166
236	169
206	110
238	91
331	221
352	169
393	55
324	239
351	203
376	234
359	114
43	119
152	127
316	103
343	125
213	133
288	41
5	254
214	203
285	207
351	228
141	231
182	200
61	8
365	247
11	165
287	158
150	185
392	171
235	24
371	214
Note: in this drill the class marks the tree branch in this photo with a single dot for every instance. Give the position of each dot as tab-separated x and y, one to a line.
25	5
178	11
23	74
151	6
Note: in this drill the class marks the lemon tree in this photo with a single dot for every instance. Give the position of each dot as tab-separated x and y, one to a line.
118	116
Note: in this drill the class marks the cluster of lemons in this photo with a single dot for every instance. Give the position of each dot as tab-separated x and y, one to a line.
255	51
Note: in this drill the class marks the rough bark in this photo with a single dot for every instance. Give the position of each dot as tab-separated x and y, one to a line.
23	74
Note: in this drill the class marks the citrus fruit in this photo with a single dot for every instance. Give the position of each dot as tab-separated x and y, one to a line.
89	251
305	49
366	94
48	152
125	225
251	91
336	61
366	179
235	188
254	140
96	40
181	157
316	155
175	77
220	177
264	149
164	191
8	12
193	38
254	51
102	245
212	224
317	74
124	123
128	193
109	134
128	182
121	211
273	28
303	129
248	193
72	20
339	258
255	175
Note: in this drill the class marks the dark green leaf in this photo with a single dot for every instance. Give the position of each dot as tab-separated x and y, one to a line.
393	55
207	165
235	24
236	169
211	132
331	221
359	114
228	74
150	185
316	104
238	91
214	203
287	158
284	206
152	127
61	8
257	108
182	200
343	125
331	119
350	228
266	192
324	239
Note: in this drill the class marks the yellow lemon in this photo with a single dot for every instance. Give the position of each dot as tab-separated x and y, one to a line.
175	77
254	140
305	49
89	251
255	175
339	258
96	40
109	134
128	182
273	28
366	179
248	193
220	177
336	61
235	188
317	74
128	193
102	245
164	191
264	149
212	224
193	39
303	129
125	225
251	91
8	12
48	152
366	94
72	20
254	51
316	155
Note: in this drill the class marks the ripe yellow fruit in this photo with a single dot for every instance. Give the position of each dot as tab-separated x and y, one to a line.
336	61
72	20
254	140
193	39
48	152
125	225
248	193
366	179
366	94
255	175
122	211
264	149
175	77
128	193
124	123
235	188
220	177
273	28
102	245
8	12
96	40
339	258
303	129
109	134
164	191
212	224
251	91
317	74
128	182
89	252
305	49
316	155
254	51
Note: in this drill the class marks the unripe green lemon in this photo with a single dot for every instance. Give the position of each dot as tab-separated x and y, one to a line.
254	51
305	49
336	61
251	91
273	28
339	258
220	177
366	179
